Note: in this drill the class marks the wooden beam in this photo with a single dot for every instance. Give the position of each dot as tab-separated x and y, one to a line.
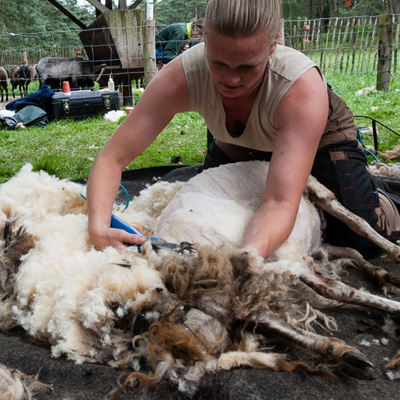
122	4
68	14
99	7
135	4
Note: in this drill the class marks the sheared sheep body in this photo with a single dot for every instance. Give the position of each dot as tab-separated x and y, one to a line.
215	207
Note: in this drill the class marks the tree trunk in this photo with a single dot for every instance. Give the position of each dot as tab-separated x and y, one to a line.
395	6
333	8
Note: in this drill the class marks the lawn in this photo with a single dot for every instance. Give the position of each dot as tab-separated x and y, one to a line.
67	148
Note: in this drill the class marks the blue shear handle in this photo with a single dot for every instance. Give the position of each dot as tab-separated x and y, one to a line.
120	224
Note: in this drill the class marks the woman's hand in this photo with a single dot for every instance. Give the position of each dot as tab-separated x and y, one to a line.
105	236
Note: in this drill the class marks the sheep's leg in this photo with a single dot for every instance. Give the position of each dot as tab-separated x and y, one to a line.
330	347
336	290
326	200
385	280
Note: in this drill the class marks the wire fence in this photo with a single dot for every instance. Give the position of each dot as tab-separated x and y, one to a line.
340	46
345	46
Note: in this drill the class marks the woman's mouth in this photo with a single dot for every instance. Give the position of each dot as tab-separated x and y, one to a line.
230	87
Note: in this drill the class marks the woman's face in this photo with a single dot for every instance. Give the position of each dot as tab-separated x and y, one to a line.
237	65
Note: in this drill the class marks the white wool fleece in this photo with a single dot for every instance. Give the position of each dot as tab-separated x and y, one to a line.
64	286
215	206
35	194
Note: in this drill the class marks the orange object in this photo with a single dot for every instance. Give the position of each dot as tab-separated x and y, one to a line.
65	87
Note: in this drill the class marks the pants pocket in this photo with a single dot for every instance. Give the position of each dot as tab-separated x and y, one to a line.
357	189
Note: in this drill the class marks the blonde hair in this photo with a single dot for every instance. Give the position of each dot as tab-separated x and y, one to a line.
243	17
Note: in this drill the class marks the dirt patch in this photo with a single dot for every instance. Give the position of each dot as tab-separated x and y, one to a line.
359	327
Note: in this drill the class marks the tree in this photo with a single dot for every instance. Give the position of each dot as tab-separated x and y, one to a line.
171	11
333	8
365	7
27	24
293	9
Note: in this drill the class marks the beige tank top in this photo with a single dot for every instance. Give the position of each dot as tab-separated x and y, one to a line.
285	66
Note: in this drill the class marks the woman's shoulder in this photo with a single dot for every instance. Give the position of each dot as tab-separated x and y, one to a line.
288	62
194	58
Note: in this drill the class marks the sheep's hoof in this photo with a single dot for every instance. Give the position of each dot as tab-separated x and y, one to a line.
186	246
357	359
390	288
159	244
359	373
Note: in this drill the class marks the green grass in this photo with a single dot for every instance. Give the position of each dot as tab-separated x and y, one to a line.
384	106
67	148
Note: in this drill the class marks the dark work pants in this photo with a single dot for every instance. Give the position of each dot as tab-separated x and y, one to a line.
342	169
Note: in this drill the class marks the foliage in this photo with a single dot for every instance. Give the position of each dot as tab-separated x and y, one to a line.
364	7
22	24
293	10
312	9
171	11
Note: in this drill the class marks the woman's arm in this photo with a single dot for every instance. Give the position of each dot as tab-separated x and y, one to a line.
166	95
300	118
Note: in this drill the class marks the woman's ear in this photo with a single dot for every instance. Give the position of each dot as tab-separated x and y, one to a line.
273	45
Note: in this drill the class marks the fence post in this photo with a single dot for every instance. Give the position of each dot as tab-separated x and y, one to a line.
384	52
396	44
149	50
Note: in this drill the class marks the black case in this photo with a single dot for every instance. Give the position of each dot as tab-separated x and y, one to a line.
82	104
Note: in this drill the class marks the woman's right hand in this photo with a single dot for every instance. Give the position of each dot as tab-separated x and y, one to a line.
105	236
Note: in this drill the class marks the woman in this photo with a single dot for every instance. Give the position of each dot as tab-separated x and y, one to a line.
261	101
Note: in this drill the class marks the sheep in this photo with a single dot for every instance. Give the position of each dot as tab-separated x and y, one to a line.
21	76
3	83
161	313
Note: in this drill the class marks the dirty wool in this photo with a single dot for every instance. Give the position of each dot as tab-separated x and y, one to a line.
165	314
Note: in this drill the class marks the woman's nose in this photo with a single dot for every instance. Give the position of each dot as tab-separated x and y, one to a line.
232	78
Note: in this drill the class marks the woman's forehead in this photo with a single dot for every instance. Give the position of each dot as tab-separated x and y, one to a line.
221	46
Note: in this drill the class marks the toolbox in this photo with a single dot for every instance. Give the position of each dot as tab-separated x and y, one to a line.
80	104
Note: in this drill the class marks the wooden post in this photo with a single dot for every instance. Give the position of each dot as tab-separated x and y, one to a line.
396	45
122	4
353	42
282	32
342	50
374	32
332	43
149	50
384	52
318	34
